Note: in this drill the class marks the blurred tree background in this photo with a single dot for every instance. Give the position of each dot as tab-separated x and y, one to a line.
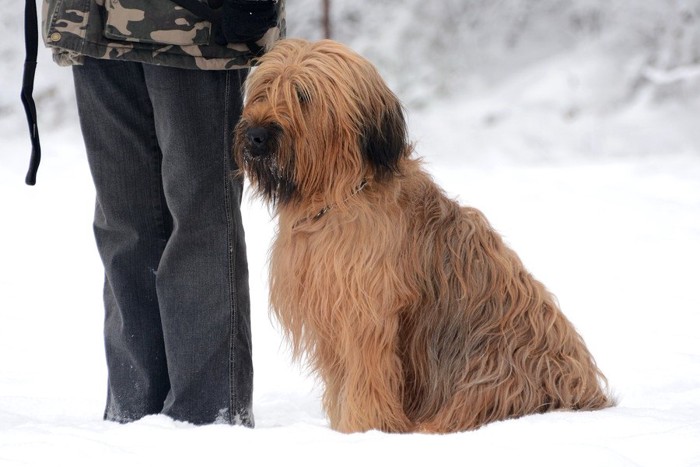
441	48
608	53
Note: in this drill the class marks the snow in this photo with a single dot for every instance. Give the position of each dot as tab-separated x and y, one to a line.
597	188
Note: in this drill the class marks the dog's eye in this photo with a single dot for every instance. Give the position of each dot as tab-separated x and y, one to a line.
258	99
302	96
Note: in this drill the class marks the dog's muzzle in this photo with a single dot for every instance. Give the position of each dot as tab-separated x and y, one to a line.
258	139
258	149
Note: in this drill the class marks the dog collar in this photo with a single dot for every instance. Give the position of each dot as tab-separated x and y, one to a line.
327	208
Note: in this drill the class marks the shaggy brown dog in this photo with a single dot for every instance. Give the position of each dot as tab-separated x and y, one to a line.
410	308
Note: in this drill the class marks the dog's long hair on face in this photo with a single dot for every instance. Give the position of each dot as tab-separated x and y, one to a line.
323	117
410	308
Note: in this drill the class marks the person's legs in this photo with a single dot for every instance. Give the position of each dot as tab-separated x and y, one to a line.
169	231
202	278
132	225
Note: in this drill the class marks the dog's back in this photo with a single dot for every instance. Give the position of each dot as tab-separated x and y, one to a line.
483	340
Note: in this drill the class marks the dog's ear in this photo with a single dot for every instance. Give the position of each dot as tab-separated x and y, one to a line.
384	140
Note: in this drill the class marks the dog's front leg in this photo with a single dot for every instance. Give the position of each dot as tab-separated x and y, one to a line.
370	396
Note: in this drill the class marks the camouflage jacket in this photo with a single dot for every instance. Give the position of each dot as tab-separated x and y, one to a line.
149	31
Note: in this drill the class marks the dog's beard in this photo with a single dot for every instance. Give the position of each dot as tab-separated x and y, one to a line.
272	179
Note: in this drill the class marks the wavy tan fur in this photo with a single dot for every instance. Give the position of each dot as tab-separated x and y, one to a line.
411	309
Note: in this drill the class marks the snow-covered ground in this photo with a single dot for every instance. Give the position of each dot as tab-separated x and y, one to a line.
601	199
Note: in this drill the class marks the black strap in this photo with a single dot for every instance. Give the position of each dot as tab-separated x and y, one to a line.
31	35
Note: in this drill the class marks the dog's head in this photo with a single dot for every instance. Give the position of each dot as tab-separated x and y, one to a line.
318	120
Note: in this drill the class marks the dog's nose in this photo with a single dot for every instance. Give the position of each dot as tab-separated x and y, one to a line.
257	136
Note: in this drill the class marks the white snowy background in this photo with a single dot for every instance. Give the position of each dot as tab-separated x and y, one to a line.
573	124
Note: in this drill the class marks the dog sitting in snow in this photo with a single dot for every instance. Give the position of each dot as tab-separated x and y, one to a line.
410	308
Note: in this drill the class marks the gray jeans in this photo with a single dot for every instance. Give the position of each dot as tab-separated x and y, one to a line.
169	232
